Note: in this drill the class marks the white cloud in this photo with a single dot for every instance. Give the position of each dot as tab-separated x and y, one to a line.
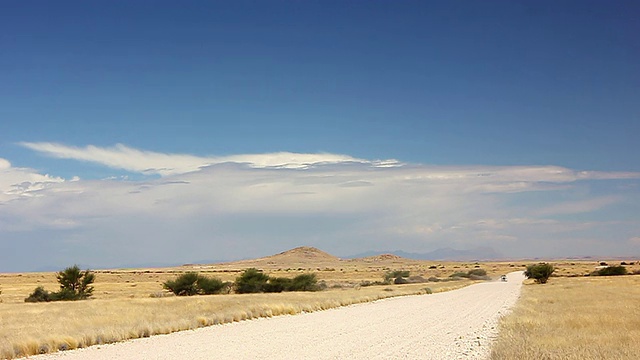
22	182
579	206
148	162
266	202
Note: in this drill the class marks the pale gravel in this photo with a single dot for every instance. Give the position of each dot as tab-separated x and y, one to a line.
458	324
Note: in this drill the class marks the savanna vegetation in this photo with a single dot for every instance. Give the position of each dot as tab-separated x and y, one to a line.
192	283
131	303
573	318
540	273
75	284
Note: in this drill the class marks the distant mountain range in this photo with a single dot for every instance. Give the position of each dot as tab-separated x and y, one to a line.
311	255
479	253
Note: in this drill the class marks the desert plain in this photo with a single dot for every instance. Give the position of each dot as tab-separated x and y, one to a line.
573	316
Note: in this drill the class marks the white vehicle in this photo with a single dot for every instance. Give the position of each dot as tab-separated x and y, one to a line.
503	278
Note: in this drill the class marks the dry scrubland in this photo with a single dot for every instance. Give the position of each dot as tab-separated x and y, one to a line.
130	303
573	318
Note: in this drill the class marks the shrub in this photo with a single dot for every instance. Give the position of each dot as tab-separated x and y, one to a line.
191	283
66	295
400	280
183	285
74	285
459	274
416	279
209	286
612	271
39	295
278	284
251	281
390	275
304	282
477	272
539	272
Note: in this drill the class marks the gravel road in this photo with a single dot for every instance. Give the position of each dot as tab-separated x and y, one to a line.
458	324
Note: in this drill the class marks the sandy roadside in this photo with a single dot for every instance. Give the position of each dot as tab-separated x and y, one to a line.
457	324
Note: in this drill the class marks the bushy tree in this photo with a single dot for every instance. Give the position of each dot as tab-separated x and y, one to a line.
74	285
539	272
252	280
304	282
183	285
277	284
209	286
612	270
191	283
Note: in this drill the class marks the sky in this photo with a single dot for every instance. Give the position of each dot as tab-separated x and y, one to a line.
152	132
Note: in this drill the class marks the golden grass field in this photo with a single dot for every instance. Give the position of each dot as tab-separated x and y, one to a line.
130	303
573	318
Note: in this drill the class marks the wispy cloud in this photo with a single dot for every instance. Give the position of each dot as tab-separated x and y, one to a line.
148	162
236	205
579	206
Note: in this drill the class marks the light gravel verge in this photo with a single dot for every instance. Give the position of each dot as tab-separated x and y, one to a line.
458	324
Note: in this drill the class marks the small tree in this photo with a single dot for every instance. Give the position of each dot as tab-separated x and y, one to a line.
183	285
251	281
539	272
74	283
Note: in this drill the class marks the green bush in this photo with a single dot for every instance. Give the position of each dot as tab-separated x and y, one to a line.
74	285
539	272
612	271
183	285
191	283
255	281
251	281
276	285
304	282
209	286
39	295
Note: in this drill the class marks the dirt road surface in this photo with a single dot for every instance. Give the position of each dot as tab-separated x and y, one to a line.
458	324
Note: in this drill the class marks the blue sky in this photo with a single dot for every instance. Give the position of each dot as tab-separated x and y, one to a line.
139	132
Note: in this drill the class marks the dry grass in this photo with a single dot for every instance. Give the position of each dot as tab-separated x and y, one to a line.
574	318
122	306
27	329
